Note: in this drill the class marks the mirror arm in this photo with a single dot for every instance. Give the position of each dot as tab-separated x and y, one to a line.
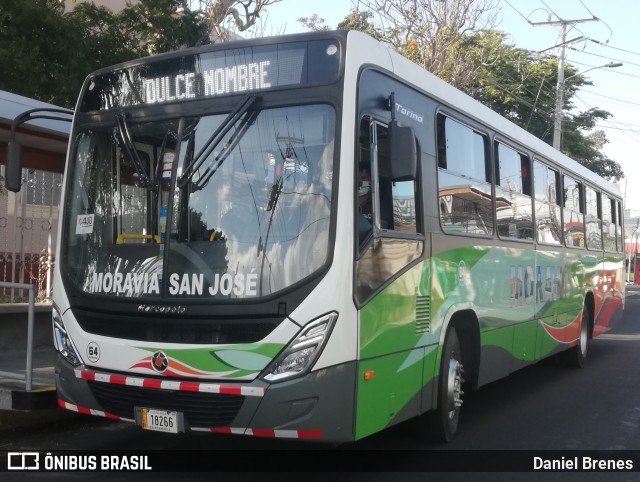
391	105
13	168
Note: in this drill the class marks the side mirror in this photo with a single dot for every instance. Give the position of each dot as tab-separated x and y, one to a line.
403	153
13	169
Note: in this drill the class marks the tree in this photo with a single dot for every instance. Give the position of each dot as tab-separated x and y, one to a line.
37	37
34	50
162	25
243	15
362	21
315	23
587	147
427	30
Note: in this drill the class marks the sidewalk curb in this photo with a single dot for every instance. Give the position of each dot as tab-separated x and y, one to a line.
19	420
37	399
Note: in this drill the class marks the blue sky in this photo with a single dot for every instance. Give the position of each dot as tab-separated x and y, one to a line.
614	90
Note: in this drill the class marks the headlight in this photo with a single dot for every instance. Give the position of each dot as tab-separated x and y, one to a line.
300	355
61	339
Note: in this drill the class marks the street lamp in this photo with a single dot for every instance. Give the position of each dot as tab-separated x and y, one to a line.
557	127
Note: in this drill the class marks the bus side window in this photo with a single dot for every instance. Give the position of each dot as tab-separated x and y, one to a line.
593	218
513	187
464	179
547	204
573	212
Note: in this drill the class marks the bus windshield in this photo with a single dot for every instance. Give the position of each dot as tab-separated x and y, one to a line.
246	214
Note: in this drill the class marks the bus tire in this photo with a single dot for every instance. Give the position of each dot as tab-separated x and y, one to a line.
442	423
576	357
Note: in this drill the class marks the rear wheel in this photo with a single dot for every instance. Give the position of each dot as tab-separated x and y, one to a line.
577	356
442	423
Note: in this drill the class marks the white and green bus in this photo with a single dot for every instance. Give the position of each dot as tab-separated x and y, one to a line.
311	237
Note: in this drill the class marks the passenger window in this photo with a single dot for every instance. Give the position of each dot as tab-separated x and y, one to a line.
513	194
547	204
572	203
593	219
609	224
464	179
381	203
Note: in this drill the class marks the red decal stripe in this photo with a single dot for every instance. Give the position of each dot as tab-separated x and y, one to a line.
189	387
118	380
112	416
88	411
221	430
309	433
239	390
150	383
88	375
84	410
259	432
565	334
227	390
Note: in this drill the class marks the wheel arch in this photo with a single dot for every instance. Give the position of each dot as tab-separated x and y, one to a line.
465	320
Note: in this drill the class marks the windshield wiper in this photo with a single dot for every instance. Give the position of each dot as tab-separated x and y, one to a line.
132	152
215	139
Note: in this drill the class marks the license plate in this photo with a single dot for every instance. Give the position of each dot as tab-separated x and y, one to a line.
160	420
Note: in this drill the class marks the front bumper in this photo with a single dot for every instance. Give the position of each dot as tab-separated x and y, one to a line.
318	406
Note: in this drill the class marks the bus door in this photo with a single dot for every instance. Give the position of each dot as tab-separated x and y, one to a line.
391	285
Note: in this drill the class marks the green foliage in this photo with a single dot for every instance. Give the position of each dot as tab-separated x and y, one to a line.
360	20
158	28
46	53
314	23
34	49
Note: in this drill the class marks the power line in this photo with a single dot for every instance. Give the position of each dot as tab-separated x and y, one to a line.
612	47
612	71
551	10
517	11
587	9
627	131
626	62
608	97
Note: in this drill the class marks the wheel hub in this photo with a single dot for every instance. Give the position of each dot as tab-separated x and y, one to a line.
454	387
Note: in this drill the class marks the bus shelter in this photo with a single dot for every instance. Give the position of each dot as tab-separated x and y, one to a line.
29	218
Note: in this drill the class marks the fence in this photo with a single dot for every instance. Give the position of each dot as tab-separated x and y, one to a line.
28	232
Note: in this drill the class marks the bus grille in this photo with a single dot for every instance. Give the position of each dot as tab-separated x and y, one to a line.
175	329
199	409
423	314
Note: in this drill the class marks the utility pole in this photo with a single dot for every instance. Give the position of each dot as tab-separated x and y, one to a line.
557	125
557	112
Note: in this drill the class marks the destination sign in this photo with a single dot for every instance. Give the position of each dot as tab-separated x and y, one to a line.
186	76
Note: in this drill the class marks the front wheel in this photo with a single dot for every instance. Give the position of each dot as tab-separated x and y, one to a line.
442	423
577	356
